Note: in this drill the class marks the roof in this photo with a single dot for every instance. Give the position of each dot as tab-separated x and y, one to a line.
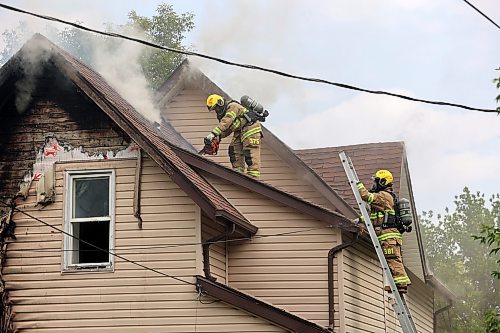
188	75
187	152
367	158
143	132
200	163
257	307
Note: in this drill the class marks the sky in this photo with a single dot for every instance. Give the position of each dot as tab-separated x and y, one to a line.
437	50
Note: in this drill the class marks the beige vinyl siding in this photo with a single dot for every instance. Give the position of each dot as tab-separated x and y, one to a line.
363	290
188	114
288	271
411	250
218	261
366	307
130	299
421	302
278	173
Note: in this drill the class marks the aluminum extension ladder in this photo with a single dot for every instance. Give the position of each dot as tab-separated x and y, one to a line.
400	307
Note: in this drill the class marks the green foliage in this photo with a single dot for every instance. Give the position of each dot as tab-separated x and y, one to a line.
461	262
492	321
166	28
490	235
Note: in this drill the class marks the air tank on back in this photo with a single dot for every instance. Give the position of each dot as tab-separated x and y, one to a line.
405	211
251	104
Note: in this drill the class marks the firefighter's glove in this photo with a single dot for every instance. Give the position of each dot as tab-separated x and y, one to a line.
360	223
210	137
360	185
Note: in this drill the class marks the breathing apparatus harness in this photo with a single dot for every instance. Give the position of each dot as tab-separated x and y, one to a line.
255	112
402	218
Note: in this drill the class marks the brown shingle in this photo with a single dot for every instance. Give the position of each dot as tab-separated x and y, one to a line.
367	158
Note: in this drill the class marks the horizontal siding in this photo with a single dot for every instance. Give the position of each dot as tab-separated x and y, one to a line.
363	291
130	299
189	116
46	300
288	271
420	300
365	306
217	250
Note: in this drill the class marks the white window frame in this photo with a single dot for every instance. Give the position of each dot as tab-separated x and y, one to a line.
68	249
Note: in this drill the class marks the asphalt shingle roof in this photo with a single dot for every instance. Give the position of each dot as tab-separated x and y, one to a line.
366	158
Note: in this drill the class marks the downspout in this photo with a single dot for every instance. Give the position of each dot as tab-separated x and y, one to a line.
437	312
137	189
206	250
331	254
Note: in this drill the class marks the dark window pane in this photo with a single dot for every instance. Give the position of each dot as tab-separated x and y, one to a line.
91	197
96	233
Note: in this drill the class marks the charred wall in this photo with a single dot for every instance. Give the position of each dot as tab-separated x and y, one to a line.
57	110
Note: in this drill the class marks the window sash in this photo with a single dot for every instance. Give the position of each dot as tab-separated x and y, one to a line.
70	221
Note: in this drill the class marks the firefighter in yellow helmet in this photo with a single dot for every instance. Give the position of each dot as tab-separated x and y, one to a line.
244	148
381	199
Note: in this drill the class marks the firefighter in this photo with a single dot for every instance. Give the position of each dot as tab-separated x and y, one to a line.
244	148
381	199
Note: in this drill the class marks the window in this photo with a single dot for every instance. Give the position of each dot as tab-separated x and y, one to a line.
90	219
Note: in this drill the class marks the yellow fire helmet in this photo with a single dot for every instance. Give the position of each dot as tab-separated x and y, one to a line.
385	177
214	100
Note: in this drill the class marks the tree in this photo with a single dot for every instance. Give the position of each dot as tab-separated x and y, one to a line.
166	28
490	235
461	262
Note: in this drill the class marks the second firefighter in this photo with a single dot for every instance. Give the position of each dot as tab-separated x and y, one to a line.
244	149
381	199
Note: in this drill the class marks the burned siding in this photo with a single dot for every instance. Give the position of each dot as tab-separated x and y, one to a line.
57	111
57	115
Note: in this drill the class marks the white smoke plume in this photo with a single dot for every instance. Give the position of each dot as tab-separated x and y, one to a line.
119	65
34	56
244	37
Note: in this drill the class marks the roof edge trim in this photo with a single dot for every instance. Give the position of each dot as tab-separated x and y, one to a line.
257	307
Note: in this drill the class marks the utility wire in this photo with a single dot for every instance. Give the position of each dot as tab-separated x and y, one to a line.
480	12
227	62
97	247
139	247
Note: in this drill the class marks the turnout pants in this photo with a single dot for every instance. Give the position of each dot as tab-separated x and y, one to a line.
391	241
244	149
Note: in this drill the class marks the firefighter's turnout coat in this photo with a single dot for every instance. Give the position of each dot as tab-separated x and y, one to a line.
245	145
381	211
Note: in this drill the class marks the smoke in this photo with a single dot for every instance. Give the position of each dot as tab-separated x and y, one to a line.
255	32
120	66
33	58
116	60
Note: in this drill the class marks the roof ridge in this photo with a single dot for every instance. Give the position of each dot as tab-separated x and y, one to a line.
353	146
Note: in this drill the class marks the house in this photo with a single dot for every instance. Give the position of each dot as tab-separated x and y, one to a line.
112	223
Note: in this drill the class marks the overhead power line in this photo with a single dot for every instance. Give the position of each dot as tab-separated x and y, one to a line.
232	240
227	62
483	14
97	247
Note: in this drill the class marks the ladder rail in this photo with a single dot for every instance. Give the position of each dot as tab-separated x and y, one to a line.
400	306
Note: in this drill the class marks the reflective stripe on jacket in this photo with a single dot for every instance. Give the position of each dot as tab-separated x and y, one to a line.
233	121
